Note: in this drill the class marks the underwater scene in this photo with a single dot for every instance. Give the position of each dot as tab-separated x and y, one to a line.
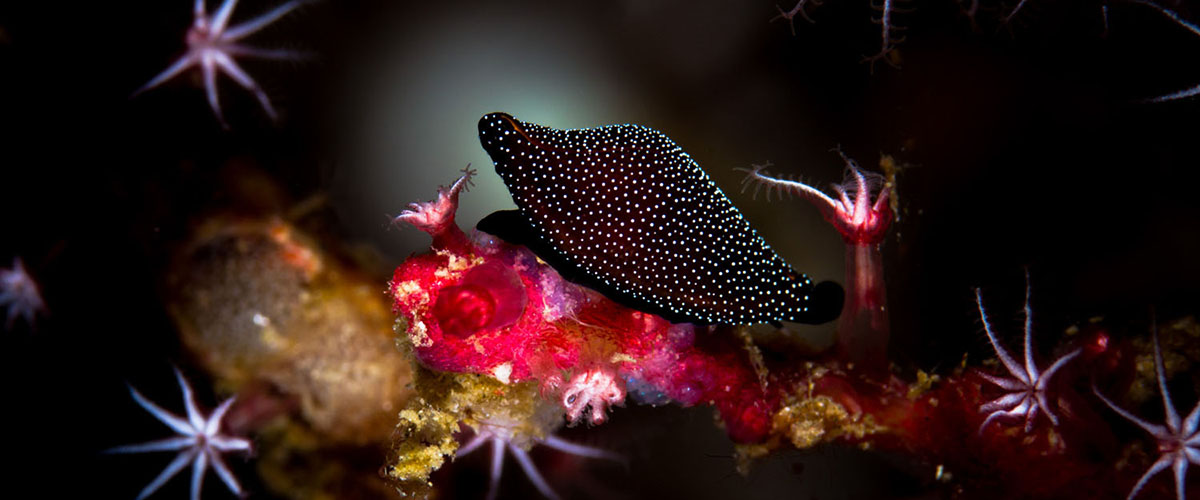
621	249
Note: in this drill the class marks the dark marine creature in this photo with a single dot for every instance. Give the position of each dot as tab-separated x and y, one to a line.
625	211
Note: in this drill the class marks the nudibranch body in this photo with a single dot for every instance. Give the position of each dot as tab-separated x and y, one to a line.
625	211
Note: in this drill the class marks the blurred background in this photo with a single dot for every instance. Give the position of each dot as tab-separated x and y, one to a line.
1027	144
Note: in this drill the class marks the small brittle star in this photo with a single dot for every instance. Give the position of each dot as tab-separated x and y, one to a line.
213	45
1027	387
199	442
1178	440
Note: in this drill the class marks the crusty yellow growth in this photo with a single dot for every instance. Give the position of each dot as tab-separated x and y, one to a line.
447	403
889	167
923	384
807	420
424	437
408	289
812	420
1180	341
455	264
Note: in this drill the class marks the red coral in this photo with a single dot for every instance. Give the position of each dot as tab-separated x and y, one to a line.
487	307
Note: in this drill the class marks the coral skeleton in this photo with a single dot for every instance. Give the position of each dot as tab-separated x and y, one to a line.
887	42
887	27
1178	440
20	294
199	442
790	15
213	45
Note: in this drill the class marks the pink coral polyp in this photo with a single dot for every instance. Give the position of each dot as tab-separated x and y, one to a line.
595	389
462	310
490	296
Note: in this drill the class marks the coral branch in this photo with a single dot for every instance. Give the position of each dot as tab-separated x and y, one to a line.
790	15
887	44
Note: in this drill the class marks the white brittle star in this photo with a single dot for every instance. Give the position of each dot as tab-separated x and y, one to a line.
199	441
1027	387
213	44
20	294
502	438
1178	441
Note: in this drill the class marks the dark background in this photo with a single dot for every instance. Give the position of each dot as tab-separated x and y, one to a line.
1027	145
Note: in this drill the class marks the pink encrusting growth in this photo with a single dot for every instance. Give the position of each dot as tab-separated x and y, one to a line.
863	327
492	308
212	45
